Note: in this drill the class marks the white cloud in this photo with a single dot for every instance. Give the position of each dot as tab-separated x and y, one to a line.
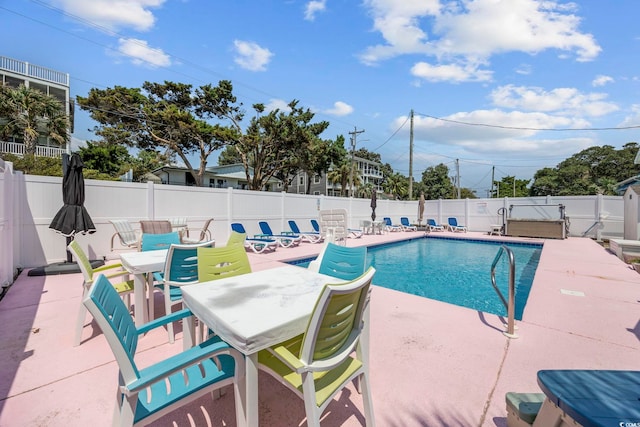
601	80
277	104
141	54
451	72
251	56
499	133
339	109
472	32
562	100
313	7
111	15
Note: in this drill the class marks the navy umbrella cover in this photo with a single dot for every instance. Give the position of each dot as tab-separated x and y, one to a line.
73	218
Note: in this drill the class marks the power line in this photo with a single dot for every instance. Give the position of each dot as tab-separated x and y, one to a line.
528	128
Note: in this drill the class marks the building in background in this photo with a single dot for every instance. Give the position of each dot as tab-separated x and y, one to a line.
368	171
14	73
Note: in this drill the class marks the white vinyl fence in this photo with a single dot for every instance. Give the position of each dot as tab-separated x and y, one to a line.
29	202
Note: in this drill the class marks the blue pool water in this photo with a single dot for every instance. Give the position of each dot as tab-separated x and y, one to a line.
455	271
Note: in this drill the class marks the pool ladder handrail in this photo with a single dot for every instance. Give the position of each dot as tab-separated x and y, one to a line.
509	305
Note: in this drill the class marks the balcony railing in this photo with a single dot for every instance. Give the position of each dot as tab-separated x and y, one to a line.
18	149
42	73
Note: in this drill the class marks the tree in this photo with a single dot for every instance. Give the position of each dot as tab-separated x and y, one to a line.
509	186
29	113
437	183
339	174
104	157
170	116
594	170
396	185
277	144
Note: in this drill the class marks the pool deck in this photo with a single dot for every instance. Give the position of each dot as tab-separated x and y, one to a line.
432	363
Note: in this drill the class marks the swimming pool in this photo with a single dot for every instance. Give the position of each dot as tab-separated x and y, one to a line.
456	271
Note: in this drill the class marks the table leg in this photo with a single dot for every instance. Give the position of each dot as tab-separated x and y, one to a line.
188	332
140	315
249	391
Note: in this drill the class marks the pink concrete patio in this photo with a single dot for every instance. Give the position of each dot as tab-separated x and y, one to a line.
433	364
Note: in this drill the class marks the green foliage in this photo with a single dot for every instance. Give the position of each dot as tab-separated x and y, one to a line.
437	184
171	117
594	170
509	186
397	185
109	159
30	113
35	165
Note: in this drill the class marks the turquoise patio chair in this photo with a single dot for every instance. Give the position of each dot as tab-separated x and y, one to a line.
256	244
342	262
321	362
146	394
180	268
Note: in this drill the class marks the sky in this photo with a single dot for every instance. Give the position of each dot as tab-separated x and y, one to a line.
497	87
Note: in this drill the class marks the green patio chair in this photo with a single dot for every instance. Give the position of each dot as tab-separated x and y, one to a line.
123	287
319	363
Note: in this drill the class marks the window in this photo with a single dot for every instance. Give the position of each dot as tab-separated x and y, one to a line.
300	179
316	179
316	193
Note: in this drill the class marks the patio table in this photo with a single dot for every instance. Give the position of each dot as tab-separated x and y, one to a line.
141	265
257	310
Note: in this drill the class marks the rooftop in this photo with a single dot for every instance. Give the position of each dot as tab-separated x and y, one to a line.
432	363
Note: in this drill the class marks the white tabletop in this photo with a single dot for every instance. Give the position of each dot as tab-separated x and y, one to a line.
144	262
257	310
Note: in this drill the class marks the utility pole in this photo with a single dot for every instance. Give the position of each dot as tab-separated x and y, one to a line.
458	176
411	157
493	171
353	134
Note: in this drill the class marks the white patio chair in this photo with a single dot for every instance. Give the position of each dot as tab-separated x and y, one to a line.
128	236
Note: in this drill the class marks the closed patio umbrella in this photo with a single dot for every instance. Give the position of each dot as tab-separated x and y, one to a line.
72	218
374	204
421	208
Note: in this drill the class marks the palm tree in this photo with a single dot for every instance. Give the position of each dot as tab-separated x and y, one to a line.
29	113
397	185
340	175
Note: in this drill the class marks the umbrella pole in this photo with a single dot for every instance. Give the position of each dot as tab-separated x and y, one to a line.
69	240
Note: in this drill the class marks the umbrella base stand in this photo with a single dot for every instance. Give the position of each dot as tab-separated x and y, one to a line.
61	268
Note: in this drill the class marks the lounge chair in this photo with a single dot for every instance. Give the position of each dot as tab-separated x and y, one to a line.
454	226
285	239
256	244
433	226
389	226
406	225
309	236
